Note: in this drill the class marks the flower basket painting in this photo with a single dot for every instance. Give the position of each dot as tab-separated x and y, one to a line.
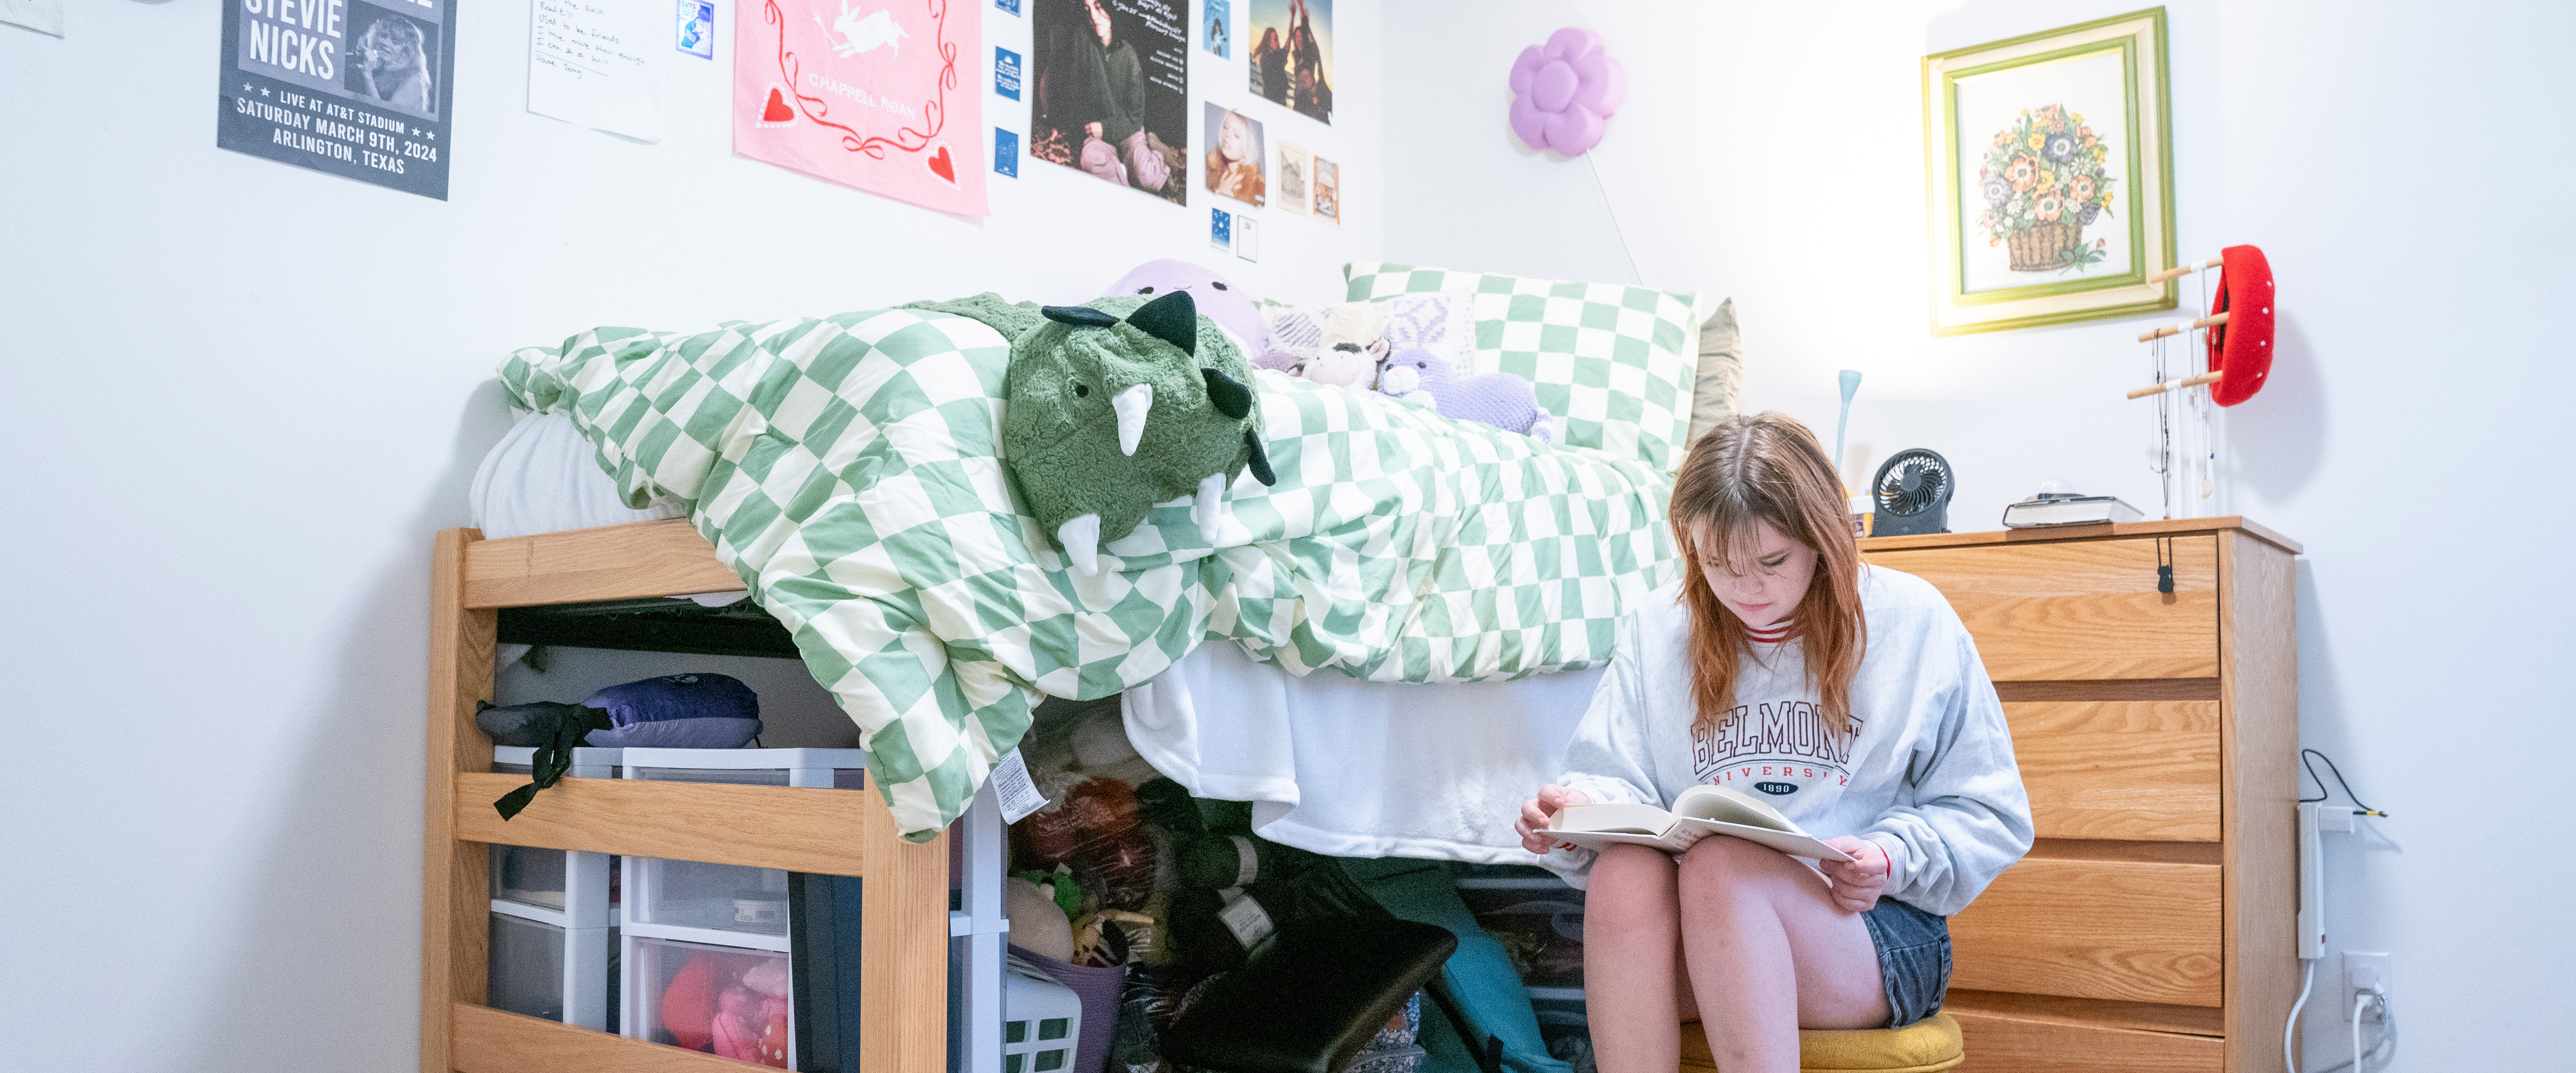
2043	182
2050	179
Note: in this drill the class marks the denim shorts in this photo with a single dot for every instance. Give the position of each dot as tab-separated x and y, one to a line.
1913	959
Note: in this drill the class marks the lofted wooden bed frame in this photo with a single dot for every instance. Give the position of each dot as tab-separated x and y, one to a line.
905	922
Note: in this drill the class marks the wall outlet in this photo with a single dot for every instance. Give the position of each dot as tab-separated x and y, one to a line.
2365	971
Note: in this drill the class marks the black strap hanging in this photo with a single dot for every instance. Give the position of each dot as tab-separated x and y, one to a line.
553	757
2164	565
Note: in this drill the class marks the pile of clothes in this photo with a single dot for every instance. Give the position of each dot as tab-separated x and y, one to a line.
1137	896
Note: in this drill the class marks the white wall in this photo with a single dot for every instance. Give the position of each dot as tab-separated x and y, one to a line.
240	397
2378	152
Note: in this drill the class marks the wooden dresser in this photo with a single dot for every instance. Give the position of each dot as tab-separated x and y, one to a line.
2152	926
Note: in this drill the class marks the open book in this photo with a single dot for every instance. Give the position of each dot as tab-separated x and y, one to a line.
1699	812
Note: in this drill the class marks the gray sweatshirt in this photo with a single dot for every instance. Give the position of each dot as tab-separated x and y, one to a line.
1929	775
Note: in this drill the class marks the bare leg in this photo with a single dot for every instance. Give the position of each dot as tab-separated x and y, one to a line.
1756	920
1632	944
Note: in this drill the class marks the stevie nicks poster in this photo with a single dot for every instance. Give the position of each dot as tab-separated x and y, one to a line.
882	95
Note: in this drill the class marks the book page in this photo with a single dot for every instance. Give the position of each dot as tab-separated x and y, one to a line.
1730	806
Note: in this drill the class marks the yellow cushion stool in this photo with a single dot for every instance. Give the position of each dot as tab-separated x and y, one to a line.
1926	1046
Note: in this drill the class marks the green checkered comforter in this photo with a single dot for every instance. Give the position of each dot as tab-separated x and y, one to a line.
847	467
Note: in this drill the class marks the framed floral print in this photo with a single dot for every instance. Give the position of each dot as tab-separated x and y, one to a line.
2051	177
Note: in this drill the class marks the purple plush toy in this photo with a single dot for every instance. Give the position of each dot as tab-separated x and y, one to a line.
1498	399
1217	299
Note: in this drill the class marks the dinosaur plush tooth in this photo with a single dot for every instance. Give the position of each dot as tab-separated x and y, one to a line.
1132	405
1215	516
1172	318
1231	398
1208	504
1080	536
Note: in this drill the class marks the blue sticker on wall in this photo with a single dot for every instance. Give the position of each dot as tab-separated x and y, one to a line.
1006	73
1012	6
697	29
1006	153
1220	229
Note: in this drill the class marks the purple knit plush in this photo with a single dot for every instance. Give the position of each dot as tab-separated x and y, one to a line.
1502	400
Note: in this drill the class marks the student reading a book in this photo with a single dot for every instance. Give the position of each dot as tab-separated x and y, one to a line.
1846	696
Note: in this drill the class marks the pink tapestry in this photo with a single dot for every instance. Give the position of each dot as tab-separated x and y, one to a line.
876	94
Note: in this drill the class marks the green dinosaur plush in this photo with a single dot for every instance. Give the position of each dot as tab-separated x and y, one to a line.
1113	407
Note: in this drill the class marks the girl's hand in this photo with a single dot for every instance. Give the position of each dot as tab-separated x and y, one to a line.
1857	882
1532	826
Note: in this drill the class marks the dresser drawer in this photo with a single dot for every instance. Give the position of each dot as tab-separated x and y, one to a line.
2084	609
2125	930
2140	770
2004	1044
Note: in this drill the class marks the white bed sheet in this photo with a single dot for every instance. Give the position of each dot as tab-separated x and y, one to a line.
1354	768
543	477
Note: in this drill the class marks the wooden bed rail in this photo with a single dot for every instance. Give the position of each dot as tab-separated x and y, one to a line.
799	830
616	562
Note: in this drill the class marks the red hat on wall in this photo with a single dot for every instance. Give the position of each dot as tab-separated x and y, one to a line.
2241	348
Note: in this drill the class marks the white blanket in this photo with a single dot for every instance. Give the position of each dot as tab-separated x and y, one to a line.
1355	768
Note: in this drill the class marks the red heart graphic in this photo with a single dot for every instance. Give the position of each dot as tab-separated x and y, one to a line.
940	166
777	112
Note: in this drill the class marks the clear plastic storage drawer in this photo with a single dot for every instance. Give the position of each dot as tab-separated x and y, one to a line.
718	897
526	965
725	1001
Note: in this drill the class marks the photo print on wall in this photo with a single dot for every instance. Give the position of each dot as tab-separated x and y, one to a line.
1218	35
694	32
1292	54
872	100
1247	238
1328	191
1112	84
1235	154
363	95
1220	229
1296	165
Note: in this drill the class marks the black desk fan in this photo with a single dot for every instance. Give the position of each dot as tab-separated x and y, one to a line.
1911	494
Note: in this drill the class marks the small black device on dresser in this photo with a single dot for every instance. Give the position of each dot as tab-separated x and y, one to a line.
1911	494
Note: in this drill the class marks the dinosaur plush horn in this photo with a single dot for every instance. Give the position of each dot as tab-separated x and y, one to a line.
1260	463
1132	405
1230	396
1078	316
1172	318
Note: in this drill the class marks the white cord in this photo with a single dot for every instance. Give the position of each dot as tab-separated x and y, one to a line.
2361	1000
1613	210
2307	979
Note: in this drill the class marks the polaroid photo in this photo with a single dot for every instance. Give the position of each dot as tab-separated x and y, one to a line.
1328	191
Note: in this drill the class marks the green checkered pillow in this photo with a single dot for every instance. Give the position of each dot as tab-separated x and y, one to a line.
1613	363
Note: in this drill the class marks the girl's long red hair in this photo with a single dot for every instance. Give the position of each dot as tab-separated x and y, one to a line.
1766	467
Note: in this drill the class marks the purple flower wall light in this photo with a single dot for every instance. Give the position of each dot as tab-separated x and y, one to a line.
1564	92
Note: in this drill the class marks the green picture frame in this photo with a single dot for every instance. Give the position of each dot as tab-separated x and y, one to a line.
2049	177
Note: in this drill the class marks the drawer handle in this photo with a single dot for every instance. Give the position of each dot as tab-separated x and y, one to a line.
2164	565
